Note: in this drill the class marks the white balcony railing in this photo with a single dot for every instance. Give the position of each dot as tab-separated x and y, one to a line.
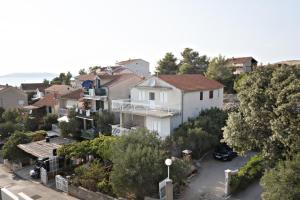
145	106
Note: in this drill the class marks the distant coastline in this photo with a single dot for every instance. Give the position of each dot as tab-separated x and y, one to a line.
15	79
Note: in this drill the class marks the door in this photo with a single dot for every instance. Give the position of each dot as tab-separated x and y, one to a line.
152	99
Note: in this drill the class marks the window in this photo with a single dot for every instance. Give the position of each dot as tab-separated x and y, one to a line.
211	94
142	95
201	95
151	96
156	126
163	97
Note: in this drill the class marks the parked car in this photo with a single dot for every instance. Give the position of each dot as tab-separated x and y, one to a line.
36	171
224	152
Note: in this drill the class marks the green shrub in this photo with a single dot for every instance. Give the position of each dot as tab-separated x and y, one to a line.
30	123
250	172
7	129
37	135
49	119
10	150
12	115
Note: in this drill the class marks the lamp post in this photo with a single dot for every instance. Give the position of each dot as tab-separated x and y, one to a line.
168	162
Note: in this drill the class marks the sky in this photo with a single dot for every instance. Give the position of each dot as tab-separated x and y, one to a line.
67	35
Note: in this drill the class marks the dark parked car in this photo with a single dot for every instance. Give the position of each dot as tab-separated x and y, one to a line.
224	152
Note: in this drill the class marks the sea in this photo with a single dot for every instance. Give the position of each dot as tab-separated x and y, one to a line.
16	81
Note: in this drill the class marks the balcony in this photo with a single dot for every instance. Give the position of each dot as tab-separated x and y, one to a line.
144	108
95	94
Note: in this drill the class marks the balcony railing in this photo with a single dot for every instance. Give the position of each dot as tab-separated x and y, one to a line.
95	92
145	107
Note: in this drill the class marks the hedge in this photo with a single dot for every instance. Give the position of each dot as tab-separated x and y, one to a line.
247	174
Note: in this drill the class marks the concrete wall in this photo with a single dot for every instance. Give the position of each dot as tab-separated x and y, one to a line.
82	193
12	98
193	105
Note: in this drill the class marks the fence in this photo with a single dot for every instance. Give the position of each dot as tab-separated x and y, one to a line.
79	192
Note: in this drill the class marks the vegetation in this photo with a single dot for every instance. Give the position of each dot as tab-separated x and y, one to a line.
138	164
198	135
11	115
100	148
192	62
72	127
104	121
7	129
62	79
268	118
219	69
167	65
10	150
2	110
283	181
247	174
93	176
30	123
82	72
37	135
49	119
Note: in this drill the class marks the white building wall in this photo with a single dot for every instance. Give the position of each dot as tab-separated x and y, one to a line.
163	96
161	125
193	105
140	67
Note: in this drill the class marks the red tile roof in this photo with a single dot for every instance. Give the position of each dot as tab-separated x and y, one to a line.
85	77
191	82
76	94
47	100
118	78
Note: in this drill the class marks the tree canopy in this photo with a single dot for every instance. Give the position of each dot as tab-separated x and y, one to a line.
192	62
218	69
62	79
167	65
269	114
283	181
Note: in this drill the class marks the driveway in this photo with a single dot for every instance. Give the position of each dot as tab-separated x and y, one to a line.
210	180
32	189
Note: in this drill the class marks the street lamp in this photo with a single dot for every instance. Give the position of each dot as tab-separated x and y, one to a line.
168	162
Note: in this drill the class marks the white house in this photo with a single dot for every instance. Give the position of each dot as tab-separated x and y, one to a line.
161	103
137	66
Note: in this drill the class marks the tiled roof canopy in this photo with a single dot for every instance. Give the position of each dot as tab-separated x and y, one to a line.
76	94
33	86
241	60
191	82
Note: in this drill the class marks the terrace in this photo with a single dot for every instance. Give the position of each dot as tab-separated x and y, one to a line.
144	108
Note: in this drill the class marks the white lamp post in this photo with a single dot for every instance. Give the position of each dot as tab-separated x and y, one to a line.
168	162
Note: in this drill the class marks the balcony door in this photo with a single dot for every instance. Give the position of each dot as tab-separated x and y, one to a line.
152	99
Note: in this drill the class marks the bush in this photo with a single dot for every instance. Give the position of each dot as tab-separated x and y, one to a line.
93	176
11	115
283	181
70	128
1	112
7	129
37	135
250	172
30	123
49	119
103	122
10	150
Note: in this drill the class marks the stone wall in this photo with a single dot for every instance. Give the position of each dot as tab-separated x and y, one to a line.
82	193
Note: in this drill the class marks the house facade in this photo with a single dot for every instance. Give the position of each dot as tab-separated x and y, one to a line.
12	97
162	103
137	66
242	64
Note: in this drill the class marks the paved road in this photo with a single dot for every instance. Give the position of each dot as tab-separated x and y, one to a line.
209	182
34	190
